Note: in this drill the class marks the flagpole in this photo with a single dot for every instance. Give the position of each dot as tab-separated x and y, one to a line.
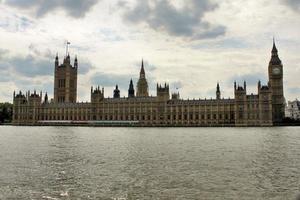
67	47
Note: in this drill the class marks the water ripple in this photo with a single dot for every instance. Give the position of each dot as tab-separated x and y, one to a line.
106	163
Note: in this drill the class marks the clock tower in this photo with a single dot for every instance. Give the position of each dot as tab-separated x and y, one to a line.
276	85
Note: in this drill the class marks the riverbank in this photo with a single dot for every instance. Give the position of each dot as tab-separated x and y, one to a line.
143	125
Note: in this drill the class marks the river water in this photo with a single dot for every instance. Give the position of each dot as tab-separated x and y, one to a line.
149	163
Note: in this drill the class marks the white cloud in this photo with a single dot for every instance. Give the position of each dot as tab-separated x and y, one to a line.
102	39
74	8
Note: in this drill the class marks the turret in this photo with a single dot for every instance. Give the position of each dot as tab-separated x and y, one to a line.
131	93
19	96
117	92
75	62
175	96
97	95
56	61
20	105
46	98
218	92
163	92
240	89
67	59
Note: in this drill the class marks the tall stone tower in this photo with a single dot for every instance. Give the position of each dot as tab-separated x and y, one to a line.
276	85
241	108
65	81
142	85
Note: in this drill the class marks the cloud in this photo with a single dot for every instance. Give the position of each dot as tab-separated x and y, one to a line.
148	66
14	23
5	76
74	8
251	79
213	33
186	21
294	90
32	71
46	53
110	80
25	84
34	65
84	67
3	52
111	36
293	4
29	66
177	85
122	3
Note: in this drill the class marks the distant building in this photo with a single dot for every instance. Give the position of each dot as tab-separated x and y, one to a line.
266	108
293	110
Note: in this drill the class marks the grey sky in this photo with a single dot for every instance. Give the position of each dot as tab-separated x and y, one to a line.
190	44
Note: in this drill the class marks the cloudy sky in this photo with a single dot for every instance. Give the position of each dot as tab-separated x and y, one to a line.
191	44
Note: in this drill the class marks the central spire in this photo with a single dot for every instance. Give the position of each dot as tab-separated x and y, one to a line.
142	73
218	92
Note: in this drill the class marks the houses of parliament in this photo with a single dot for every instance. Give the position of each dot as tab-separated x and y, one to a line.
266	108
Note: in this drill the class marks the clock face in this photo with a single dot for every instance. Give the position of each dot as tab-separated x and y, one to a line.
276	71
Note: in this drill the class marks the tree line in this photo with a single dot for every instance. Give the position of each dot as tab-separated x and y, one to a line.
6	110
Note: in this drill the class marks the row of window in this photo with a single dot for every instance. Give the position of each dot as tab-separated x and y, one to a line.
154	107
154	111
139	117
132	118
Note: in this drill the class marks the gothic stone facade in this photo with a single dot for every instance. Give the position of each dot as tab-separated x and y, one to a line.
266	108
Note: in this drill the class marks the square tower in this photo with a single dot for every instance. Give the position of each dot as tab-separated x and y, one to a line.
65	81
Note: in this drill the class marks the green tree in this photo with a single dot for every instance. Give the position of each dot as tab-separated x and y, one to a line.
6	112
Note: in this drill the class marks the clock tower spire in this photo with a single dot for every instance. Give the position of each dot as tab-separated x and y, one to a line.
276	85
142	85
